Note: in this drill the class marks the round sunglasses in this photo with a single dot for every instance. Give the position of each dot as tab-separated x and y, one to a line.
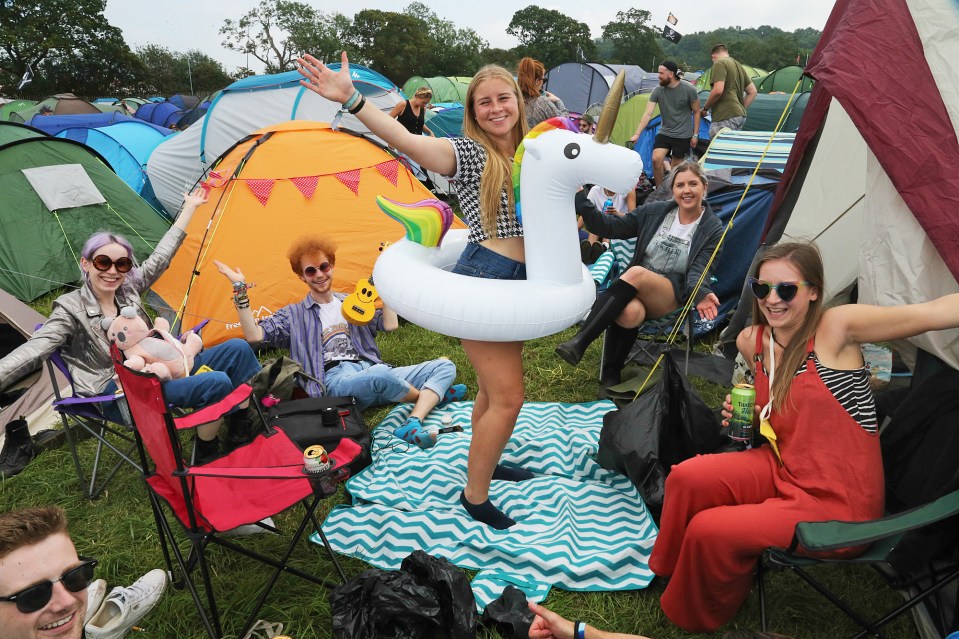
785	290
35	597
103	263
324	268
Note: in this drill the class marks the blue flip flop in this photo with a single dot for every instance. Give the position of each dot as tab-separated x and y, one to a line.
414	432
454	393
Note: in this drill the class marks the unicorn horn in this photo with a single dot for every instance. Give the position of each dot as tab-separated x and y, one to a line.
610	109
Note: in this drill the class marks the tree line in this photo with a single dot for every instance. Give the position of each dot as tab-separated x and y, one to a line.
82	53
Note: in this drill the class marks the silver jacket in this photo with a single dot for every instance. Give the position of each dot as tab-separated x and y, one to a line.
74	327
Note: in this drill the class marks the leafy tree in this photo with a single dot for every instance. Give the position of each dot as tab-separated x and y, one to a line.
394	44
550	36
507	58
634	40
453	51
73	35
170	72
276	31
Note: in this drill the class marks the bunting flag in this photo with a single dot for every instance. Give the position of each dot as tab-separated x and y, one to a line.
261	189
307	185
389	170
672	34
215	180
350	179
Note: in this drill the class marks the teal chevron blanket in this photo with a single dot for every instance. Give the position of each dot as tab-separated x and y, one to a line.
579	527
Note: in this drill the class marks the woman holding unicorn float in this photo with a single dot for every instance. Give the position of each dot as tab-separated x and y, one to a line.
482	165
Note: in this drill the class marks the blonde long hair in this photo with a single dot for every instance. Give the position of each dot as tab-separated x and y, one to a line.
806	259
498	172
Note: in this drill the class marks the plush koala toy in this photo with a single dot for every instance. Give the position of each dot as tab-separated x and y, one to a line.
152	350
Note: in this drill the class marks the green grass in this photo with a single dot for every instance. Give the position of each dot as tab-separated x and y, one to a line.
118	528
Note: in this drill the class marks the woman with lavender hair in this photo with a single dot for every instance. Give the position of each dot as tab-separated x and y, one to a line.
112	280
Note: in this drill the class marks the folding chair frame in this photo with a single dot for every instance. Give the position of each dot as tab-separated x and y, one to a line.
883	535
201	534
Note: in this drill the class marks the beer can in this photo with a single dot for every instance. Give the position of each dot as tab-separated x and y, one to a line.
743	400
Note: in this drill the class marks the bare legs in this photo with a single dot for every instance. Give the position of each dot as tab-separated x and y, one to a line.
654	297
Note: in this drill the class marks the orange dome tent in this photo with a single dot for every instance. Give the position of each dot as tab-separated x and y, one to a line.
273	186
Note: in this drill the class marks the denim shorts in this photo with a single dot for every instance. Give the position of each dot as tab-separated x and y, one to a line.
479	261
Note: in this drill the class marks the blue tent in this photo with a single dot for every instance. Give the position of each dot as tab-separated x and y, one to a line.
447	123
53	124
126	146
184	102
644	145
160	113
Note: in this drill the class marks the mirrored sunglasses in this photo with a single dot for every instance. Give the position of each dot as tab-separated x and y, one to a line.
324	268
103	263
785	290
35	597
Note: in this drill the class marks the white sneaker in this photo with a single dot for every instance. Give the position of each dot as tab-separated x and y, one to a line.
126	606
96	591
249	529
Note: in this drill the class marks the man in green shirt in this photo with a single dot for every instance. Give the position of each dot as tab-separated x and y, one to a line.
732	92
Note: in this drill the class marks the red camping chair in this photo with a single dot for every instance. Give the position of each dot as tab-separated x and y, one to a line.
255	481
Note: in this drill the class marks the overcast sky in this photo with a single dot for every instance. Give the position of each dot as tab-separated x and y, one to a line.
180	25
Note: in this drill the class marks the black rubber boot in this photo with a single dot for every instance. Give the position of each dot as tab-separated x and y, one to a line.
604	312
17	450
619	342
240	430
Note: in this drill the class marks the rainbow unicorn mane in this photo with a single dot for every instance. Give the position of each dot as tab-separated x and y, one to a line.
426	222
538	130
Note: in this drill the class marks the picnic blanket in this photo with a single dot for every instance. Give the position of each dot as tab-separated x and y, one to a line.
579	526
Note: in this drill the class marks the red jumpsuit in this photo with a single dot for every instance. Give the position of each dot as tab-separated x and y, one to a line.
721	511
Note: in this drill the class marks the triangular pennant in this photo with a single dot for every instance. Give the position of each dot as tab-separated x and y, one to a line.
306	185
214	180
389	170
261	189
350	179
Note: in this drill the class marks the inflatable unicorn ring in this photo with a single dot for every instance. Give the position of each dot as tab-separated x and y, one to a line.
413	275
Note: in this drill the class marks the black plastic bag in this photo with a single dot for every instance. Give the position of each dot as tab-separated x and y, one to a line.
666	425
509	614
428	597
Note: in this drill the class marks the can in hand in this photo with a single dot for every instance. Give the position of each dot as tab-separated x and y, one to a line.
608	206
743	400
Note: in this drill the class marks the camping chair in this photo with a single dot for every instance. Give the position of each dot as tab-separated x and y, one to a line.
882	535
83	415
255	481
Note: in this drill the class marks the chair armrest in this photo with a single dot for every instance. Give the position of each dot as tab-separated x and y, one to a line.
833	535
259	472
215	411
97	399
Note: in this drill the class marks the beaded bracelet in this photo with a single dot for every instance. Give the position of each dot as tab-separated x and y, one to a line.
356	97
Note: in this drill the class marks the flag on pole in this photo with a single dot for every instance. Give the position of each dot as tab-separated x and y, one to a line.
671	34
797	57
27	78
672	19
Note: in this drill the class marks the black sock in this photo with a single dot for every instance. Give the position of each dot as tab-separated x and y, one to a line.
486	513
506	473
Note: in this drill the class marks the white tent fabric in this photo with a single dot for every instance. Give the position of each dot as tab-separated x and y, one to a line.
176	164
63	186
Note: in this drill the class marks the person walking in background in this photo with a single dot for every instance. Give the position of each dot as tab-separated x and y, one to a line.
540	105
412	113
679	133
731	94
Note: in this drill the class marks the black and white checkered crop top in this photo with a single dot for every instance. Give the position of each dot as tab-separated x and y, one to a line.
470	161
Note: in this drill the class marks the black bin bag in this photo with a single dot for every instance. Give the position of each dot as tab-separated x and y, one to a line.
428	597
667	424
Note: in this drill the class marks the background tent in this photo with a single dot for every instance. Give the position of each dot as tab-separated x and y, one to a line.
183	102
126	146
766	110
580	85
53	124
32	396
274	186
890	155
160	113
246	106
444	88
48	214
446	122
785	80
13	106
61	103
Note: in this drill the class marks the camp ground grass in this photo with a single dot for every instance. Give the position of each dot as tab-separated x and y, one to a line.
118	529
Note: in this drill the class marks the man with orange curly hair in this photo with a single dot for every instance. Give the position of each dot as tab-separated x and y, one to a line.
342	358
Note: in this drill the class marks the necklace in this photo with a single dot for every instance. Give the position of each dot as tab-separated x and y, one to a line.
778	343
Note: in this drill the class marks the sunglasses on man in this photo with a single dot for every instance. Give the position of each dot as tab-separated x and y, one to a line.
323	268
35	597
103	263
785	290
